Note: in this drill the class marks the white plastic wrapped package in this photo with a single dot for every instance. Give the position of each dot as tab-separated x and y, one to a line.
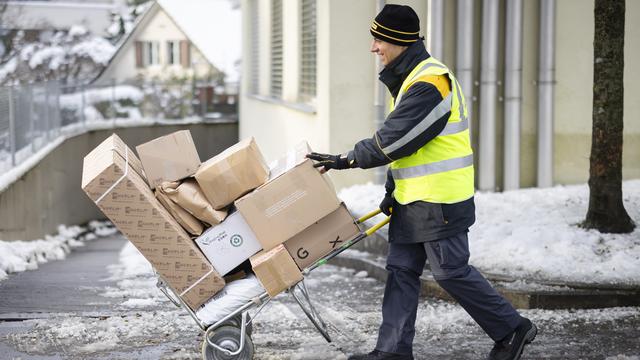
233	295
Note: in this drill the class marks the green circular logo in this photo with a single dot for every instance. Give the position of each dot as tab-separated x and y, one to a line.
236	240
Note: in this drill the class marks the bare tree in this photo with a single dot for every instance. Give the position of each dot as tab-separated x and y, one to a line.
606	211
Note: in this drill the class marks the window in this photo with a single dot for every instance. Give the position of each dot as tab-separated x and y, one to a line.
276	48
254	86
151	52
173	52
307	50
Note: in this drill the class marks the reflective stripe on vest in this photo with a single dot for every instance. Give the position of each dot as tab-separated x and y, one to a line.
440	171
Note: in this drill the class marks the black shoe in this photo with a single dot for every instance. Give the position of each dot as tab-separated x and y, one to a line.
510	348
379	355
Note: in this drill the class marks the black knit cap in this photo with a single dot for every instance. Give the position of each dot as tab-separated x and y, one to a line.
396	24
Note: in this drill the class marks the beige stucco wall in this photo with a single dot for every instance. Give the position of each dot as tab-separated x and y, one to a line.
160	27
342	112
574	87
346	76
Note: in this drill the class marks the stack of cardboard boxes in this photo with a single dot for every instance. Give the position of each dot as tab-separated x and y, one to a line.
206	219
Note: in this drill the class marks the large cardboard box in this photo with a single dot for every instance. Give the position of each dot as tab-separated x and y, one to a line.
169	158
288	204
276	270
319	239
123	196
229	243
232	173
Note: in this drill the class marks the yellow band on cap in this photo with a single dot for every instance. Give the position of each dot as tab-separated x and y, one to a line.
396	31
391	37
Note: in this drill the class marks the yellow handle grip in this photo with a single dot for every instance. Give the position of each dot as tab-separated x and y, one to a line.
377	226
369	216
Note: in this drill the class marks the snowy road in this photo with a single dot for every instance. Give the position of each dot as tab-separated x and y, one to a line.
133	322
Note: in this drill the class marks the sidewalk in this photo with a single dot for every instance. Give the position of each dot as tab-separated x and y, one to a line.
71	317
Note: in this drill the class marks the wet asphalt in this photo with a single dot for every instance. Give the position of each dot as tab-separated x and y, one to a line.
58	312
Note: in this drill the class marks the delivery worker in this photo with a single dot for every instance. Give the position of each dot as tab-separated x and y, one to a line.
425	140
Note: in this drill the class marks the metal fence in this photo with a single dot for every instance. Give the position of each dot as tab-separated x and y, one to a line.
32	116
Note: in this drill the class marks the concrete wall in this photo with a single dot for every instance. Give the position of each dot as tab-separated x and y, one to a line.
50	193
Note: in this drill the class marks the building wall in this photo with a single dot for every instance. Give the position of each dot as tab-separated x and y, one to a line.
343	112
161	28
574	91
40	15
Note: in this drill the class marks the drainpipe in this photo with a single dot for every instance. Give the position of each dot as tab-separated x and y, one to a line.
380	173
488	96
546	79
513	95
435	36
464	52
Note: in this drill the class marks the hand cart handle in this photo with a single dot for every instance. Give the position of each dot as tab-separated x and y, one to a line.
353	241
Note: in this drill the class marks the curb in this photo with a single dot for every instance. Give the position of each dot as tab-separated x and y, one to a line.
522	295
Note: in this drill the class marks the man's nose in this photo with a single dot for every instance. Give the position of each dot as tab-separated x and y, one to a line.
374	48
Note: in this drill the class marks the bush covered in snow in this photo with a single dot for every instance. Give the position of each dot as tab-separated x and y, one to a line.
74	55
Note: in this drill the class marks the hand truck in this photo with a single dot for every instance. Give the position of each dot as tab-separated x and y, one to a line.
230	337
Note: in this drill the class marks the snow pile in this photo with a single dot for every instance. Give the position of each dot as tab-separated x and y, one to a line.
98	95
18	256
533	233
136	280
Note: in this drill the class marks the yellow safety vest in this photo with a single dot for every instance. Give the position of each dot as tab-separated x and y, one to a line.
442	170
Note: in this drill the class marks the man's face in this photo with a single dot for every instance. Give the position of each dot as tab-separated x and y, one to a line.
387	51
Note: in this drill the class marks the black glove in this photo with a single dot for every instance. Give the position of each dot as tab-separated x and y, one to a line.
338	162
386	204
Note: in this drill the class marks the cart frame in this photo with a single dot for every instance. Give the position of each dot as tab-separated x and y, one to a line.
302	297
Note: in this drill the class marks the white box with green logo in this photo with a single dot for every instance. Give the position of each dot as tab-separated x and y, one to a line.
229	243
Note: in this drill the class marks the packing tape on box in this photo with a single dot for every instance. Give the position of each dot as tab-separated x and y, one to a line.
196	283
124	175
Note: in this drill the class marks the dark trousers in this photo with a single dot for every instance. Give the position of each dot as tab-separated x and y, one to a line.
448	259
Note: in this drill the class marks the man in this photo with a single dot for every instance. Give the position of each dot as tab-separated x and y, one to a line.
425	139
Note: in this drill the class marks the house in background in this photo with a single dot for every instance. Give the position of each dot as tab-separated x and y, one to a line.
94	15
308	74
184	41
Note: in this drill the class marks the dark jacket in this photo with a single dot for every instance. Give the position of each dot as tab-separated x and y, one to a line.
419	221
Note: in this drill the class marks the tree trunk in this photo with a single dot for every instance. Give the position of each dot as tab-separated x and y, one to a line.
606	211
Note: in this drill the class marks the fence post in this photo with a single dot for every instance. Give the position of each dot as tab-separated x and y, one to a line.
83	104
12	128
32	139
113	101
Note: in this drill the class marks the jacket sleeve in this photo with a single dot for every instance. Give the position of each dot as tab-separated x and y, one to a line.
415	121
390	185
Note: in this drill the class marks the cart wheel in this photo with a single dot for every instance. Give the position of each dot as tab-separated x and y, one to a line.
227	337
237	322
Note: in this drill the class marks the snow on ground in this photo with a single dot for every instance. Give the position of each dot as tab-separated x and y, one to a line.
533	233
18	256
136	282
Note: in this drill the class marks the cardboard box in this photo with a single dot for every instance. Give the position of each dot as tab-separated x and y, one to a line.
288	204
276	270
319	239
115	143
169	158
228	244
232	173
129	203
287	162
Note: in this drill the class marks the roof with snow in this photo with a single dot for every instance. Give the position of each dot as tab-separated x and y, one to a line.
213	26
